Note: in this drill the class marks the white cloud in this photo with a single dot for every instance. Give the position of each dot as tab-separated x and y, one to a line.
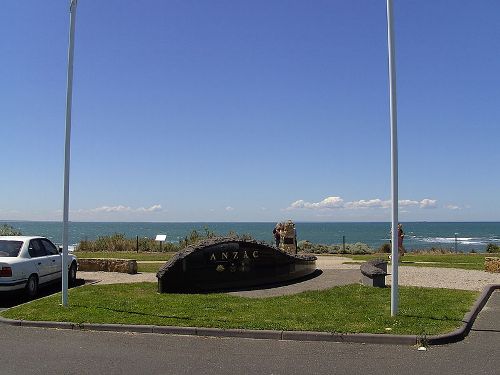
338	203
408	203
330	202
229	208
121	208
154	208
428	203
371	203
452	207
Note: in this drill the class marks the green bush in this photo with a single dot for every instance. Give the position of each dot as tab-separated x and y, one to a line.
492	248
357	248
8	230
385	248
118	242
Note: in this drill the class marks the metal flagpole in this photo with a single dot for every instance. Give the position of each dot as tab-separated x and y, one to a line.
69	96
394	157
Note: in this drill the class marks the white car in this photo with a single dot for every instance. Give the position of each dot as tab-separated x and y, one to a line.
28	262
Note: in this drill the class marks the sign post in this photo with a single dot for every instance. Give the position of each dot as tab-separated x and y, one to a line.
161	238
67	153
394	157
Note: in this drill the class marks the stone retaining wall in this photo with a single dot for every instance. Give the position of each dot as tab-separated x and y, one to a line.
108	265
492	264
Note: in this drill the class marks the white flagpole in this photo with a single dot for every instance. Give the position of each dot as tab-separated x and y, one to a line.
394	157
67	153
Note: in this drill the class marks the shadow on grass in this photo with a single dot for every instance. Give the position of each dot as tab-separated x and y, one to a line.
12	299
432	318
135	312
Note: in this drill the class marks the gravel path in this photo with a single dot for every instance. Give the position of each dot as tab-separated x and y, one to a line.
452	278
116	277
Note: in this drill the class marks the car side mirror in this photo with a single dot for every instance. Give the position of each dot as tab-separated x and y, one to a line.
60	249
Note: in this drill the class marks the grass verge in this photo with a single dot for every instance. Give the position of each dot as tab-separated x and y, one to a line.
149	267
352	308
462	261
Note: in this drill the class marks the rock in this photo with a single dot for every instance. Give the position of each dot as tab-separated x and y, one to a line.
374	267
230	263
492	264
374	272
108	265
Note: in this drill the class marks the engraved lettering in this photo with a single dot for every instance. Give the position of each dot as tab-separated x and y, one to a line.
224	256
255	254
245	255
212	257
235	255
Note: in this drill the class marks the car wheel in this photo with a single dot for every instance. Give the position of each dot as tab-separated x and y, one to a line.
32	286
72	274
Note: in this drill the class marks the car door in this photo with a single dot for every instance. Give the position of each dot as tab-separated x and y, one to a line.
54	257
39	257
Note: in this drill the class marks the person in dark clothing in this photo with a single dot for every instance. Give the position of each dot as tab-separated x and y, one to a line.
277	234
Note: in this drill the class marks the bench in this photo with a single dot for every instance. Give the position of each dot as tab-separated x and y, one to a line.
373	273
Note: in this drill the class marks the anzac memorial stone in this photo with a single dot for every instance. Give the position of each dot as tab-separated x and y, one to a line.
230	263
288	240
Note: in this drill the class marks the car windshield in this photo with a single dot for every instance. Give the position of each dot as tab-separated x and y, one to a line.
10	248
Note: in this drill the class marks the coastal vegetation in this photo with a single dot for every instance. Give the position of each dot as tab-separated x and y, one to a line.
492	248
467	261
351	308
118	243
9	230
312	248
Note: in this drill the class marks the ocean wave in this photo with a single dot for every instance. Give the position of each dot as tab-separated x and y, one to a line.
461	240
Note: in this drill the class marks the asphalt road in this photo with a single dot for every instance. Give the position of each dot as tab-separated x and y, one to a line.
49	351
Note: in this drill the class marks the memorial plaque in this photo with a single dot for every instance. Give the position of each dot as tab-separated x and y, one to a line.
229	263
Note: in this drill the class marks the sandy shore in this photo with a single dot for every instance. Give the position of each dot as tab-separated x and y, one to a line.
451	278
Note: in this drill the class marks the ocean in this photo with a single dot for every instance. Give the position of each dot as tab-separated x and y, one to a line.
418	235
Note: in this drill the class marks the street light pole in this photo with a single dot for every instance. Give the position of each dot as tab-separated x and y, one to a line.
394	157
67	151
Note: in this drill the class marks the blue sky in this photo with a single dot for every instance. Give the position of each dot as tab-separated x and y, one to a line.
250	110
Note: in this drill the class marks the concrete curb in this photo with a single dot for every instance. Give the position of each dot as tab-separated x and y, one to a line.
468	320
367	338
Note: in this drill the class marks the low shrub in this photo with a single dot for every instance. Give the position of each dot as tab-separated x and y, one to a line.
492	248
434	251
385	248
118	242
357	248
8	230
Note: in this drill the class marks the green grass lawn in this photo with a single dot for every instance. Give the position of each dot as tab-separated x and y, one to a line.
463	261
149	267
352	308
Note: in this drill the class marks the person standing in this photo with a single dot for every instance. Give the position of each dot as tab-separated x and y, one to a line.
401	236
277	234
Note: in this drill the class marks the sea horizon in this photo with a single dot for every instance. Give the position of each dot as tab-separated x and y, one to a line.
460	235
